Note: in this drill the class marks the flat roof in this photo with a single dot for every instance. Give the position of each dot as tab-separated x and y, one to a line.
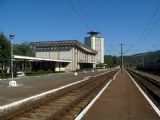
37	59
64	43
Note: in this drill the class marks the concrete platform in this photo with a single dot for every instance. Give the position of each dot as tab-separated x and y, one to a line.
29	86
121	101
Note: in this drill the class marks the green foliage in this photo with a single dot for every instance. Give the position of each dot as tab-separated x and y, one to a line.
5	54
100	66
59	72
40	72
111	61
4	49
78	70
24	49
143	59
5	75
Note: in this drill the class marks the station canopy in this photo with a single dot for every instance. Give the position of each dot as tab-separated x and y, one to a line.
18	57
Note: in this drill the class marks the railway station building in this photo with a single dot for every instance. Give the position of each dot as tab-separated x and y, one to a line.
68	55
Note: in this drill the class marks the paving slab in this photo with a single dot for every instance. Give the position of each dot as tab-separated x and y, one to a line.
121	101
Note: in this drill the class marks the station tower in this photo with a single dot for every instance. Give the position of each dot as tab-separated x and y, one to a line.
96	42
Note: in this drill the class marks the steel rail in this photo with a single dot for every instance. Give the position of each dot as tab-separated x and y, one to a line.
152	87
57	105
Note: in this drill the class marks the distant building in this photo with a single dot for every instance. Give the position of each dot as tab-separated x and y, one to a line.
96	43
80	55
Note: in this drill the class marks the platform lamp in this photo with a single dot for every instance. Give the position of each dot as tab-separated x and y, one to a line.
12	83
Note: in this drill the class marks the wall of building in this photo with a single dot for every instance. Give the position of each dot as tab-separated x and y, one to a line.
102	50
72	53
96	43
99	47
79	55
54	53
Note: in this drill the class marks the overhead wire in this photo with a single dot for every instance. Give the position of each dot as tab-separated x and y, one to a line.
150	21
87	15
78	14
130	48
156	45
113	48
145	33
147	30
149	27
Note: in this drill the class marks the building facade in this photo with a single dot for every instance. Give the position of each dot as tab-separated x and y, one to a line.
96	43
80	55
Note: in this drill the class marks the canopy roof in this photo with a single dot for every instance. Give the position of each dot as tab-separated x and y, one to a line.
75	43
37	59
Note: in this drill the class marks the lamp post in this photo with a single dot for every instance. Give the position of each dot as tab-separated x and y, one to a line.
12	82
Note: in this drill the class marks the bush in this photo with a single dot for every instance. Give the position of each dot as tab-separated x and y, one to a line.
100	66
5	75
41	72
78	70
59	72
32	73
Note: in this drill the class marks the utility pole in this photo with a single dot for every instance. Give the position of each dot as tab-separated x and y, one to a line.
121	57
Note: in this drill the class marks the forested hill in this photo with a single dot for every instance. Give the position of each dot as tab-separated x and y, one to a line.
143	59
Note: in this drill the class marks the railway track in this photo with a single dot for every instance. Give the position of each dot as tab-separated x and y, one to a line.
149	85
151	70
65	104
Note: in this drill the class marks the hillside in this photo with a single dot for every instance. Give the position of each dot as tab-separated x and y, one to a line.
143	59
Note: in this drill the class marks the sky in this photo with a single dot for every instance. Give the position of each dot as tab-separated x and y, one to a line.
134	23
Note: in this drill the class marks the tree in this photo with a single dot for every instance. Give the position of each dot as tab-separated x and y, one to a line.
111	61
5	54
108	60
24	49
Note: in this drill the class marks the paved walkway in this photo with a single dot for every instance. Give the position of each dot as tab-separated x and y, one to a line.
30	86
121	101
